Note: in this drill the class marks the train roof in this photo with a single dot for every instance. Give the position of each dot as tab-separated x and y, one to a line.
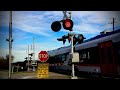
103	35
92	42
60	50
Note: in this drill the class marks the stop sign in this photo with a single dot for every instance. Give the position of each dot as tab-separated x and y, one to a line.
43	56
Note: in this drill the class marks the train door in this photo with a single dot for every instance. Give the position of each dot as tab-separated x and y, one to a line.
107	61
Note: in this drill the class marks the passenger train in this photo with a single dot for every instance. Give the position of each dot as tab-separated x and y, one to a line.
98	55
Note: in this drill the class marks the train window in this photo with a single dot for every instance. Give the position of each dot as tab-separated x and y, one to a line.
89	56
83	55
93	56
117	52
118	56
109	54
103	58
63	57
58	59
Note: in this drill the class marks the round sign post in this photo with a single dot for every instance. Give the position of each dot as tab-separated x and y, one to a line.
43	56
43	67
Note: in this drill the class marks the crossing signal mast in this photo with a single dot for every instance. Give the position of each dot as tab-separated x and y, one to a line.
68	25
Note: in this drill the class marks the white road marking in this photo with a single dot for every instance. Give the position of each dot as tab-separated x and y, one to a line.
27	77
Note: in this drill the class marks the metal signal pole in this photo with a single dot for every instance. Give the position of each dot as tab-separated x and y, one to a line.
72	51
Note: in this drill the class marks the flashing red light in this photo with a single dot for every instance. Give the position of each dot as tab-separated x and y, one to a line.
68	24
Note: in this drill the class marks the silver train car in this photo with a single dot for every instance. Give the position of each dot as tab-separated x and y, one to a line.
98	55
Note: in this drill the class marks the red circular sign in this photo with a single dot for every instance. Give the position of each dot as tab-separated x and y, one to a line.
43	56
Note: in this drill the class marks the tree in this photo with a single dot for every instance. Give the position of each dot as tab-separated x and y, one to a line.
3	63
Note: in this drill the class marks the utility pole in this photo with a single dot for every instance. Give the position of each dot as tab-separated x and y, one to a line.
72	51
28	59
113	22
33	54
10	43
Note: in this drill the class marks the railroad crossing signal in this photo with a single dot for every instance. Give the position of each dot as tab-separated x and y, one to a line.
56	26
26	58
78	39
43	56
63	39
31	54
68	24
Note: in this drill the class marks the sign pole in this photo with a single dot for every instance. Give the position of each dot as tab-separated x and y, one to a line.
43	67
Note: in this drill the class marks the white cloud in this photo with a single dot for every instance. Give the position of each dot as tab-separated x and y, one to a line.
4	18
97	17
86	28
17	35
38	22
30	24
96	14
34	23
3	52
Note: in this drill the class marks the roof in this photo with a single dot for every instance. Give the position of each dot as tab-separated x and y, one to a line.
66	49
102	35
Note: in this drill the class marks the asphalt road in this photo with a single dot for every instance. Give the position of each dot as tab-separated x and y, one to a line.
32	75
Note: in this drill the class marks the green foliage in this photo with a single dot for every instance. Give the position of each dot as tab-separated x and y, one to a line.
4	63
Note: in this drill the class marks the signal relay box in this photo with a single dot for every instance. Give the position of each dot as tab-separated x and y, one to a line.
73	58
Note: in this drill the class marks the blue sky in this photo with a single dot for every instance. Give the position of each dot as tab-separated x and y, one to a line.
37	24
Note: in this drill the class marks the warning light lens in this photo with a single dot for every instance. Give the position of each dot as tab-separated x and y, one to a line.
56	26
68	24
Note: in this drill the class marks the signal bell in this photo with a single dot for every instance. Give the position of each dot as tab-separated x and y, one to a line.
68	24
56	26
